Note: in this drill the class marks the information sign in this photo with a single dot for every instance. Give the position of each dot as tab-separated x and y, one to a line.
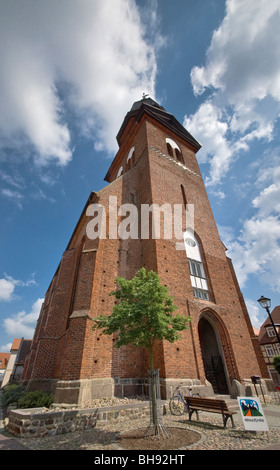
252	414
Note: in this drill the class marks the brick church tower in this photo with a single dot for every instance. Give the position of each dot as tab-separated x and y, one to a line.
155	164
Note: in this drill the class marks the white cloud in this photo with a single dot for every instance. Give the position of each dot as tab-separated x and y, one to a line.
14	196
242	59
8	285
256	315
256	251
6	347
22	324
90	56
6	289
14	180
210	127
269	200
242	73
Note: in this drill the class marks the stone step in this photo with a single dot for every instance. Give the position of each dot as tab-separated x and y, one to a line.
232	403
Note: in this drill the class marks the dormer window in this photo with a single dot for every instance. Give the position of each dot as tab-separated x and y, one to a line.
270	331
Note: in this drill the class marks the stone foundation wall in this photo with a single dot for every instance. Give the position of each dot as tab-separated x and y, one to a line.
40	422
79	392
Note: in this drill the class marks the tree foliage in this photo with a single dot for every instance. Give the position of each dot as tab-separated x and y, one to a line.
15	394
276	363
12	393
34	399
143	313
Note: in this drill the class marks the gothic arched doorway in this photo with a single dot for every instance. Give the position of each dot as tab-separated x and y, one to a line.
212	356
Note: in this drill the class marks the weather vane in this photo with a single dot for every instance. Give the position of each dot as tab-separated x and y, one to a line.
144	96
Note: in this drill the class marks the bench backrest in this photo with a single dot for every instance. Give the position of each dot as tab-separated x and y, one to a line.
207	403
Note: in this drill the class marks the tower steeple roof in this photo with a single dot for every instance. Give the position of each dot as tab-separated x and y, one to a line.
145	100
153	109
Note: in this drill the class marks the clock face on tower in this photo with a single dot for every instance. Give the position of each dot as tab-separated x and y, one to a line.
190	242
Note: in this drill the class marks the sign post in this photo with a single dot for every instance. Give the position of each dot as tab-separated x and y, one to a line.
252	414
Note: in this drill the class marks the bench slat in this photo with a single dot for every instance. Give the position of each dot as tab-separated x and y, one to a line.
214	410
207	402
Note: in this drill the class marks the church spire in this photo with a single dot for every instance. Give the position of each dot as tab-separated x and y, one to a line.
152	108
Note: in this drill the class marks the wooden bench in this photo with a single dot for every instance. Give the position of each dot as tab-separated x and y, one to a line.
210	405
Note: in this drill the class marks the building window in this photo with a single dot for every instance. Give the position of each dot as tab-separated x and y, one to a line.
269	350
120	172
130	158
169	150
196	268
270	331
179	156
174	150
200	294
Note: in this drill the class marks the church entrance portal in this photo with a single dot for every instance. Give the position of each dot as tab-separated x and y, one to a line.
212	359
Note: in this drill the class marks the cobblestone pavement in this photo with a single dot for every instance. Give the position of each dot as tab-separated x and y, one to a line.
213	436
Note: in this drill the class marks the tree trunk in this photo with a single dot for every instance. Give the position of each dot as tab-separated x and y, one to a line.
153	392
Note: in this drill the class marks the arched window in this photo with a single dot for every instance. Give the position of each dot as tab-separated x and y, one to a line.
179	156
120	172
130	158
169	150
197	272
174	150
184	195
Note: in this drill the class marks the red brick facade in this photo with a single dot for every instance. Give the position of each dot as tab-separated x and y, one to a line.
66	353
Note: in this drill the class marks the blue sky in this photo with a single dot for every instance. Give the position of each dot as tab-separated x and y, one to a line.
69	73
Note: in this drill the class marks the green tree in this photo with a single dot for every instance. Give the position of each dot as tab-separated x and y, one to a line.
142	316
276	363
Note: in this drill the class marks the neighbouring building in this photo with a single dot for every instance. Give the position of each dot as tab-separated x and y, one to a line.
156	164
15	365
269	343
4	359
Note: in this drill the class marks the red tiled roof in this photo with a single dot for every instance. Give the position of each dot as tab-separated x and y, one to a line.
256	331
16	344
4	358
